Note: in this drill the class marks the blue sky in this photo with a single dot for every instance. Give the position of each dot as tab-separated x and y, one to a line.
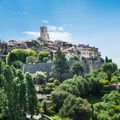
94	22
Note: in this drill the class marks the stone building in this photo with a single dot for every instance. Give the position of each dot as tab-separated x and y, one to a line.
88	52
43	43
6	47
72	52
16	45
44	34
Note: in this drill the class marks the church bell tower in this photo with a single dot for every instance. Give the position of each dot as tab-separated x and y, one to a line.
44	34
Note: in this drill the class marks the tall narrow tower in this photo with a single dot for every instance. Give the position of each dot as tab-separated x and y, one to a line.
44	34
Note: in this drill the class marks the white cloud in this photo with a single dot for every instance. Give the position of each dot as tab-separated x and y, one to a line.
54	35
45	21
55	28
60	28
32	33
64	36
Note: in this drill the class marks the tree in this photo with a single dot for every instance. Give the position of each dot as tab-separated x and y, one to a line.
32	103
74	58
116	117
109	68
60	66
101	111
15	99
3	101
69	88
10	58
12	89
76	108
22	92
19	55
1	67
113	98
40	77
31	60
8	74
109	109
107	60
104	116
17	94
42	55
77	68
58	98
17	64
2	81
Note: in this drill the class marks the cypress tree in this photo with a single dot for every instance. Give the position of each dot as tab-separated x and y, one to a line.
32	102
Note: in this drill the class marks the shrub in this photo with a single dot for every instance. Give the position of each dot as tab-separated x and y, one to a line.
40	77
76	108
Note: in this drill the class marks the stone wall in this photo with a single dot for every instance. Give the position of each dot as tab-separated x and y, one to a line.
94	65
46	67
33	68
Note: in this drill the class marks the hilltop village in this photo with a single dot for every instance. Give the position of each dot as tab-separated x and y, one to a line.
43	79
44	43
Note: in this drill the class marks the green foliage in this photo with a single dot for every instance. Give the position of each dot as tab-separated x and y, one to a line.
60	66
42	55
103	116
58	99
56	117
46	89
72	89
12	88
109	109
77	68
51	79
74	58
2	81
31	60
113	98
40	77
115	79
104	82
46	59
16	93
116	117
3	101
17	64
19	55
109	68
1	67
107	60
31	95
76	108
56	82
